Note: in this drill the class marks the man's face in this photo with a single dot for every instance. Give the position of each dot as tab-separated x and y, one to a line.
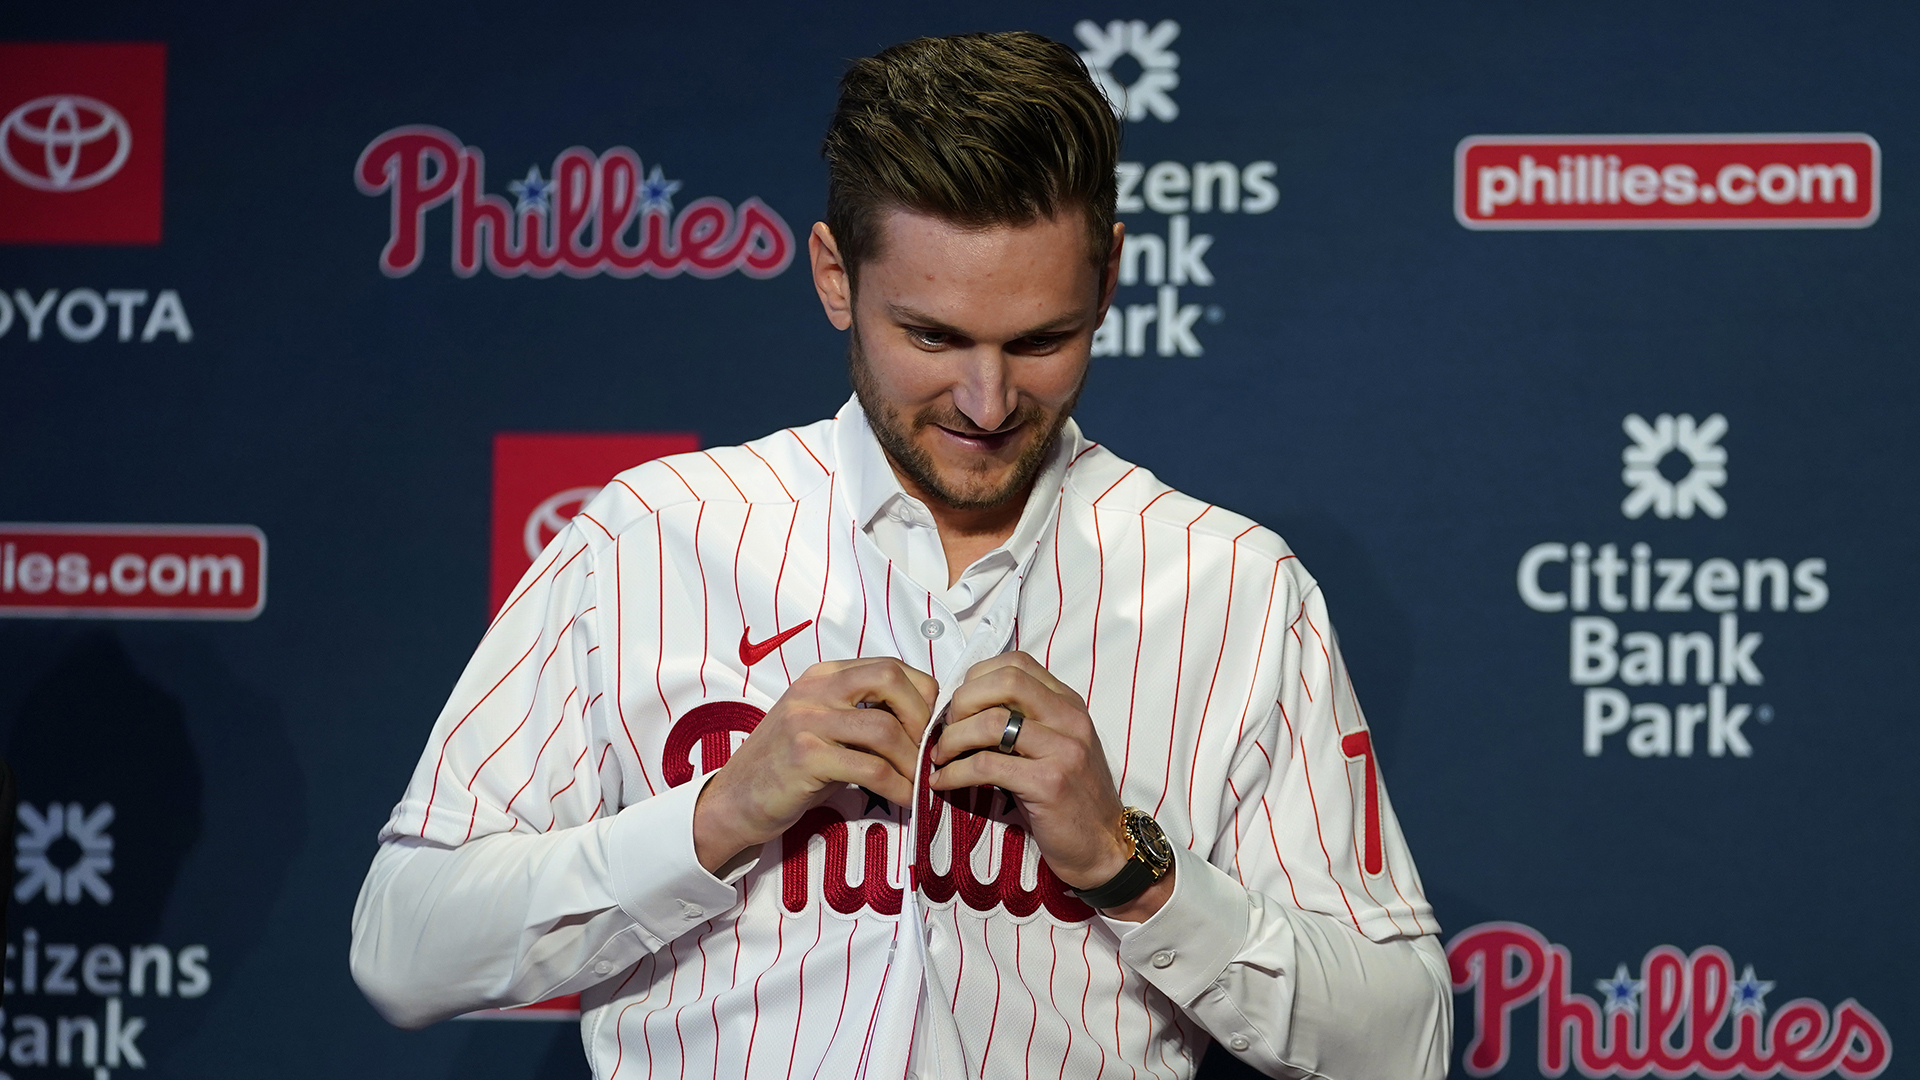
968	347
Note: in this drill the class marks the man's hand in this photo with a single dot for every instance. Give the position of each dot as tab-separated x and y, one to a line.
1057	771
841	722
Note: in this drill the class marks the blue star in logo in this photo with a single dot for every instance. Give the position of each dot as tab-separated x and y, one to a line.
534	193
1622	992
656	192
1750	994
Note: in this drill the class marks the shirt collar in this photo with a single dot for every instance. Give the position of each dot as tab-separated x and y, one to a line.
872	488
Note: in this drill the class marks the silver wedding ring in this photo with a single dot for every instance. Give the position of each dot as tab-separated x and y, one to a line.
1011	733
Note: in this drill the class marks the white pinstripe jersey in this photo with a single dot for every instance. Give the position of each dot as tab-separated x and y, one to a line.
617	671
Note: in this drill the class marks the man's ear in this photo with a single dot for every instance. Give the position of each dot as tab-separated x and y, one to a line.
830	277
1112	276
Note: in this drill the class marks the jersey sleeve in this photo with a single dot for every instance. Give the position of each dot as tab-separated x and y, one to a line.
1311	824
520	746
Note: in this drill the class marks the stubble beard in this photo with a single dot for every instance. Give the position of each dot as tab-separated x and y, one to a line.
895	436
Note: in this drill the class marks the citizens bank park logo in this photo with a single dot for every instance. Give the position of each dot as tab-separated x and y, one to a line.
1622	594
594	214
1667	181
1174	258
132	571
81	138
1680	1015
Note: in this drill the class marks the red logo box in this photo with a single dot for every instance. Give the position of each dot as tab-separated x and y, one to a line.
1667	181
82	140
133	571
540	481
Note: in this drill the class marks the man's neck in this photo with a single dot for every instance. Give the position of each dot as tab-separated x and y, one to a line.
966	535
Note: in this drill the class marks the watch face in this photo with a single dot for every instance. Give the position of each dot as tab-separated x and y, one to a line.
1149	841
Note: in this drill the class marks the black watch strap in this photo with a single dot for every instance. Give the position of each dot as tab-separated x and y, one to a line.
1132	880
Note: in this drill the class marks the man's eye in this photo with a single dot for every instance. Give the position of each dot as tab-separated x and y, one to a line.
931	339
1041	343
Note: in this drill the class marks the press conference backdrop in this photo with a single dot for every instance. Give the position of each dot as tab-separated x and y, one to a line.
1570	345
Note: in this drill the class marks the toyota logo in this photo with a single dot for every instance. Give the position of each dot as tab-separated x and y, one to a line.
547	519
59	128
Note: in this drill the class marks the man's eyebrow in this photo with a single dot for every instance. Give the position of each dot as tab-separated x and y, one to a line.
906	316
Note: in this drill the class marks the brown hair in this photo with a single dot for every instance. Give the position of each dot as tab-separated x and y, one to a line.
977	129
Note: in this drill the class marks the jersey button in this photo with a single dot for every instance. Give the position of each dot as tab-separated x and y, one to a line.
1238	1042
604	967
1164	958
933	628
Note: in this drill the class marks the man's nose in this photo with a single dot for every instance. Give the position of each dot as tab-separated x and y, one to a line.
983	392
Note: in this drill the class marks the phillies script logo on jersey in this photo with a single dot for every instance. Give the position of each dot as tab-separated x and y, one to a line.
541	480
595	214
713	728
1679	1015
1667	181
81	135
133	571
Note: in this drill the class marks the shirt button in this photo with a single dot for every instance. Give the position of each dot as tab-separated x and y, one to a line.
1238	1042
690	911
933	628
1164	958
604	967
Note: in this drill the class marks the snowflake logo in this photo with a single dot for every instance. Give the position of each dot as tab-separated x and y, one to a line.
1147	46
1698	490
34	853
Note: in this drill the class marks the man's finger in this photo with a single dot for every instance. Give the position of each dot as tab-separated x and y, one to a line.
1009	685
843	765
984	730
876	732
893	686
1023	662
1018	775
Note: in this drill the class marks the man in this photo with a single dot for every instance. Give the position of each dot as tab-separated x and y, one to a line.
1046	767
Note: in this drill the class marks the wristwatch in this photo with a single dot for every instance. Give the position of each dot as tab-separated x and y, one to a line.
1152	858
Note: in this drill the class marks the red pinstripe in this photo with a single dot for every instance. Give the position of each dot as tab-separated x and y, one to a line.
1274	836
931	669
535	769
826	576
779	946
434	790
528	587
886	594
679	1033
1100	590
643	502
728	475
706	602
1139	643
646	1037
1333	706
746	674
1300	751
860	647
553	816
558	638
620	667
866	1044
1060	590
1052	968
776	473
677	476
785	547
993	1022
602	528
1118	991
1226	628
800	1013
808	449
959	973
1086	989
846	991
660	590
1032	1001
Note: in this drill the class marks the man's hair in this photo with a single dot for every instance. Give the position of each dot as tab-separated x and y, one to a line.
978	130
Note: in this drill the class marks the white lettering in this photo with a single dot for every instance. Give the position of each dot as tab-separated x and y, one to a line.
36	313
1806	577
1723	725
1186	256
1262	193
1499	186
1591	659
1606	714
168	316
125	300
1536	597
72	329
1176	324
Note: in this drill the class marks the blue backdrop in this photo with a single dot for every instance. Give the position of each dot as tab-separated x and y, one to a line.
1317	342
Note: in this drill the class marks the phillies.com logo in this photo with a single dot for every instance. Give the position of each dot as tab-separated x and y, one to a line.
595	214
1684	1015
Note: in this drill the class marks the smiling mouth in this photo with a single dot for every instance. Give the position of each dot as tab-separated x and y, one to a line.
982	440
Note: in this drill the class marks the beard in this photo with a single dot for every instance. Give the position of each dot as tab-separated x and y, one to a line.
973	489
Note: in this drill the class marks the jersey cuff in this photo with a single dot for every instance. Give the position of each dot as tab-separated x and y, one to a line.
656	877
1183	947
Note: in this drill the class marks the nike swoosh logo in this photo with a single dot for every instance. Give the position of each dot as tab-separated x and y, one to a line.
751	654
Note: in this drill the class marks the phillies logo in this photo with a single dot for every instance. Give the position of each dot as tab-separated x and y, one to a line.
1671	1021
63	129
596	214
712	728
